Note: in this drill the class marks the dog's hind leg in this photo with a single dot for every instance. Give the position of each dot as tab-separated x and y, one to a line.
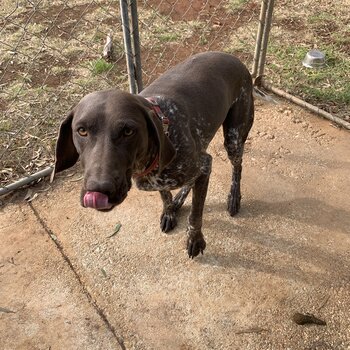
180	197
236	128
234	197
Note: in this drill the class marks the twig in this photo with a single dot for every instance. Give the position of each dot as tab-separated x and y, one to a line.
252	330
324	302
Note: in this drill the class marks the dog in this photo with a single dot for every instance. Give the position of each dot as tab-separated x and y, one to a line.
159	138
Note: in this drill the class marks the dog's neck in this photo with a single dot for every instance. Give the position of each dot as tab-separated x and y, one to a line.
149	163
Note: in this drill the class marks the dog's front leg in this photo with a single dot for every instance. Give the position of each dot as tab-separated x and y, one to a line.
168	217
195	241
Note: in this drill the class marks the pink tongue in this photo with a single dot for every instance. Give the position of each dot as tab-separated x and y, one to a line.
96	200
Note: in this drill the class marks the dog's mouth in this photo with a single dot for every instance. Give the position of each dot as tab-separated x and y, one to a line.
97	200
94	198
100	201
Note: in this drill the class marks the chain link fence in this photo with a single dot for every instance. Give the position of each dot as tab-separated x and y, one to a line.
170	31
50	56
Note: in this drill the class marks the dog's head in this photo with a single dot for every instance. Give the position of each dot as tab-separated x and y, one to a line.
112	132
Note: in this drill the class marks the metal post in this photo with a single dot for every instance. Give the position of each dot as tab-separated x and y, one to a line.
259	38
136	44
309	106
25	181
128	46
265	38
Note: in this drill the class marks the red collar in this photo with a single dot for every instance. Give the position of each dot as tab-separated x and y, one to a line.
165	121
153	166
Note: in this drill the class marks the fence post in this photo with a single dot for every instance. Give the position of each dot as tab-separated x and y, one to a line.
259	38
136	44
265	37
127	45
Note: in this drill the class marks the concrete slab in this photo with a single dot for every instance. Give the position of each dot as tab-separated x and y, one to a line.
42	305
287	251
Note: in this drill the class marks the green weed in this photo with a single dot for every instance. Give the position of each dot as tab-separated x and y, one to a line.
235	4
100	66
169	37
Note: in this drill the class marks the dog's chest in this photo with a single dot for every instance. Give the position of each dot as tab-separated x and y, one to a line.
157	183
187	164
169	179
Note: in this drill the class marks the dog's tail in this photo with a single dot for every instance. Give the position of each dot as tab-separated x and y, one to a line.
259	93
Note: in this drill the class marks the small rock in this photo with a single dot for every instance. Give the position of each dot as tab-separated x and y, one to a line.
296	120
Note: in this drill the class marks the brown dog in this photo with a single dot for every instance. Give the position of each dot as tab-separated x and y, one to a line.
159	138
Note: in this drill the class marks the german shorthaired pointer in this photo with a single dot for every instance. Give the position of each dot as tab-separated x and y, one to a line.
159	138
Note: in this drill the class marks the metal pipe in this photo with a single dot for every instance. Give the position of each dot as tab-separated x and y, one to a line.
25	181
307	105
259	38
136	44
127	45
265	38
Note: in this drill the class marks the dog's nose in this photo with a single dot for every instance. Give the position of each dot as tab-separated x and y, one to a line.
105	187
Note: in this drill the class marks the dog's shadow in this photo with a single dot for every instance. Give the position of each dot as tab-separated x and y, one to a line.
306	211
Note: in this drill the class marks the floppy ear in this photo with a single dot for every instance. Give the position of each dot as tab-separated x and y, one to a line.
166	149
66	153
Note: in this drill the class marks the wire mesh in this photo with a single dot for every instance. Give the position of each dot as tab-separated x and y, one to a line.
50	56
170	31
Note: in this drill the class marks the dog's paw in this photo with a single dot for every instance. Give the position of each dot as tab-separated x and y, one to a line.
233	203
195	245
168	222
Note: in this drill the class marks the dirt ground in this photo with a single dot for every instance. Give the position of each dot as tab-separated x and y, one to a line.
67	281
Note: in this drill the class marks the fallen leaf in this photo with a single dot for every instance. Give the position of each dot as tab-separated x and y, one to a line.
116	229
6	311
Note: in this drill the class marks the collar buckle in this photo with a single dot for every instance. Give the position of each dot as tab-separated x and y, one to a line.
160	114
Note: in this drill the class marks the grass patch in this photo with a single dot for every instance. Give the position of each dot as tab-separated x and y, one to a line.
242	43
5	125
162	29
234	5
320	17
169	37
100	66
323	27
330	84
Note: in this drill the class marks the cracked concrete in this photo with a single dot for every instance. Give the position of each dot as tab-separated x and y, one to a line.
287	251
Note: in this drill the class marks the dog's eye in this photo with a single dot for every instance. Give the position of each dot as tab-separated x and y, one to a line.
127	131
82	132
